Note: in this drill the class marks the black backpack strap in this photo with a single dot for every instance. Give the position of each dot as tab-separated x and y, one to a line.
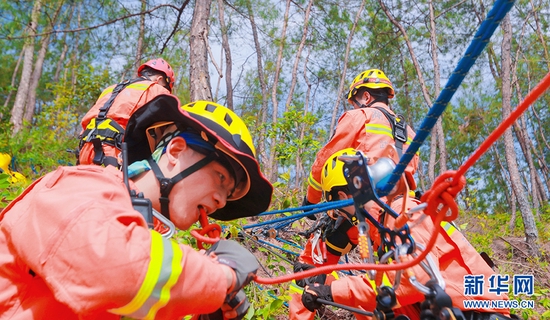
116	90
398	128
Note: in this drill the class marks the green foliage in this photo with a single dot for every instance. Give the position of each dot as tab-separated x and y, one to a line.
8	190
44	145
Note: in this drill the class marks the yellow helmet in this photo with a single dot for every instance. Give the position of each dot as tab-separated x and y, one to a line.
5	161
216	125
332	174
372	78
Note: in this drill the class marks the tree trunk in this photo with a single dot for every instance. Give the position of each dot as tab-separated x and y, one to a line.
294	78
272	166
141	36
531	232
263	86
437	88
60	62
13	79
437	132
540	34
38	66
299	167
200	88
228	61
22	91
344	70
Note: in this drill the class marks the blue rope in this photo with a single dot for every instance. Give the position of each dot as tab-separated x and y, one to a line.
329	205
321	208
278	247
289	243
478	44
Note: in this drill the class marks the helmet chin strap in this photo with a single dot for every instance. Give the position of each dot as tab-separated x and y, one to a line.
349	215
363	105
166	184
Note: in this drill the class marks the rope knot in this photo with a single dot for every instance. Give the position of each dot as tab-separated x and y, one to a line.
441	197
210	232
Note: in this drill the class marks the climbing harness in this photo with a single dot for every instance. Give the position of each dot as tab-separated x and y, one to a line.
398	129
102	130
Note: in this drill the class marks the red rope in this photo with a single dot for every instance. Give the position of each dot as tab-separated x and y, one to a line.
440	199
355	266
213	231
443	192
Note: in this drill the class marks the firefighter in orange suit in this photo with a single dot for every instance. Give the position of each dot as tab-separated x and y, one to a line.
108	118
367	128
452	254
72	246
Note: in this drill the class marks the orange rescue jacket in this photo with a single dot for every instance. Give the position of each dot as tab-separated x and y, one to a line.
104	124
72	247
367	130
452	253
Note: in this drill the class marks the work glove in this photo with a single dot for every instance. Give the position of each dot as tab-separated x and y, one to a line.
238	304
244	264
305	202
314	292
299	267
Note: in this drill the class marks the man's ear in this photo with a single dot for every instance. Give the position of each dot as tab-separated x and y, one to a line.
366	96
174	148
342	195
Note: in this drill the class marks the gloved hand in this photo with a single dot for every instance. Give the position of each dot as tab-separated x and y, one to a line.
244	264
314	292
299	267
305	202
238	305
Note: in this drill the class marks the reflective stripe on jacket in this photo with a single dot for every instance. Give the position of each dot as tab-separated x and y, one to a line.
365	129
72	247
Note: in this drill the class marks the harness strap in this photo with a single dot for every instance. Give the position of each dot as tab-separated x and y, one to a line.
104	130
119	87
398	128
166	184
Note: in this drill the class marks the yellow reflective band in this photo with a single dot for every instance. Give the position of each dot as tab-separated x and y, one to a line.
382	129
449	228
139	86
335	275
174	275
295	288
106	91
163	272
385	281
379	129
341	250
313	183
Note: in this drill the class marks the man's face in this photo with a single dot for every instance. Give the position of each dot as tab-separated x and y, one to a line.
206	188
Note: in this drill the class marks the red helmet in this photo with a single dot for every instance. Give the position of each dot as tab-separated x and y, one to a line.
162	66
